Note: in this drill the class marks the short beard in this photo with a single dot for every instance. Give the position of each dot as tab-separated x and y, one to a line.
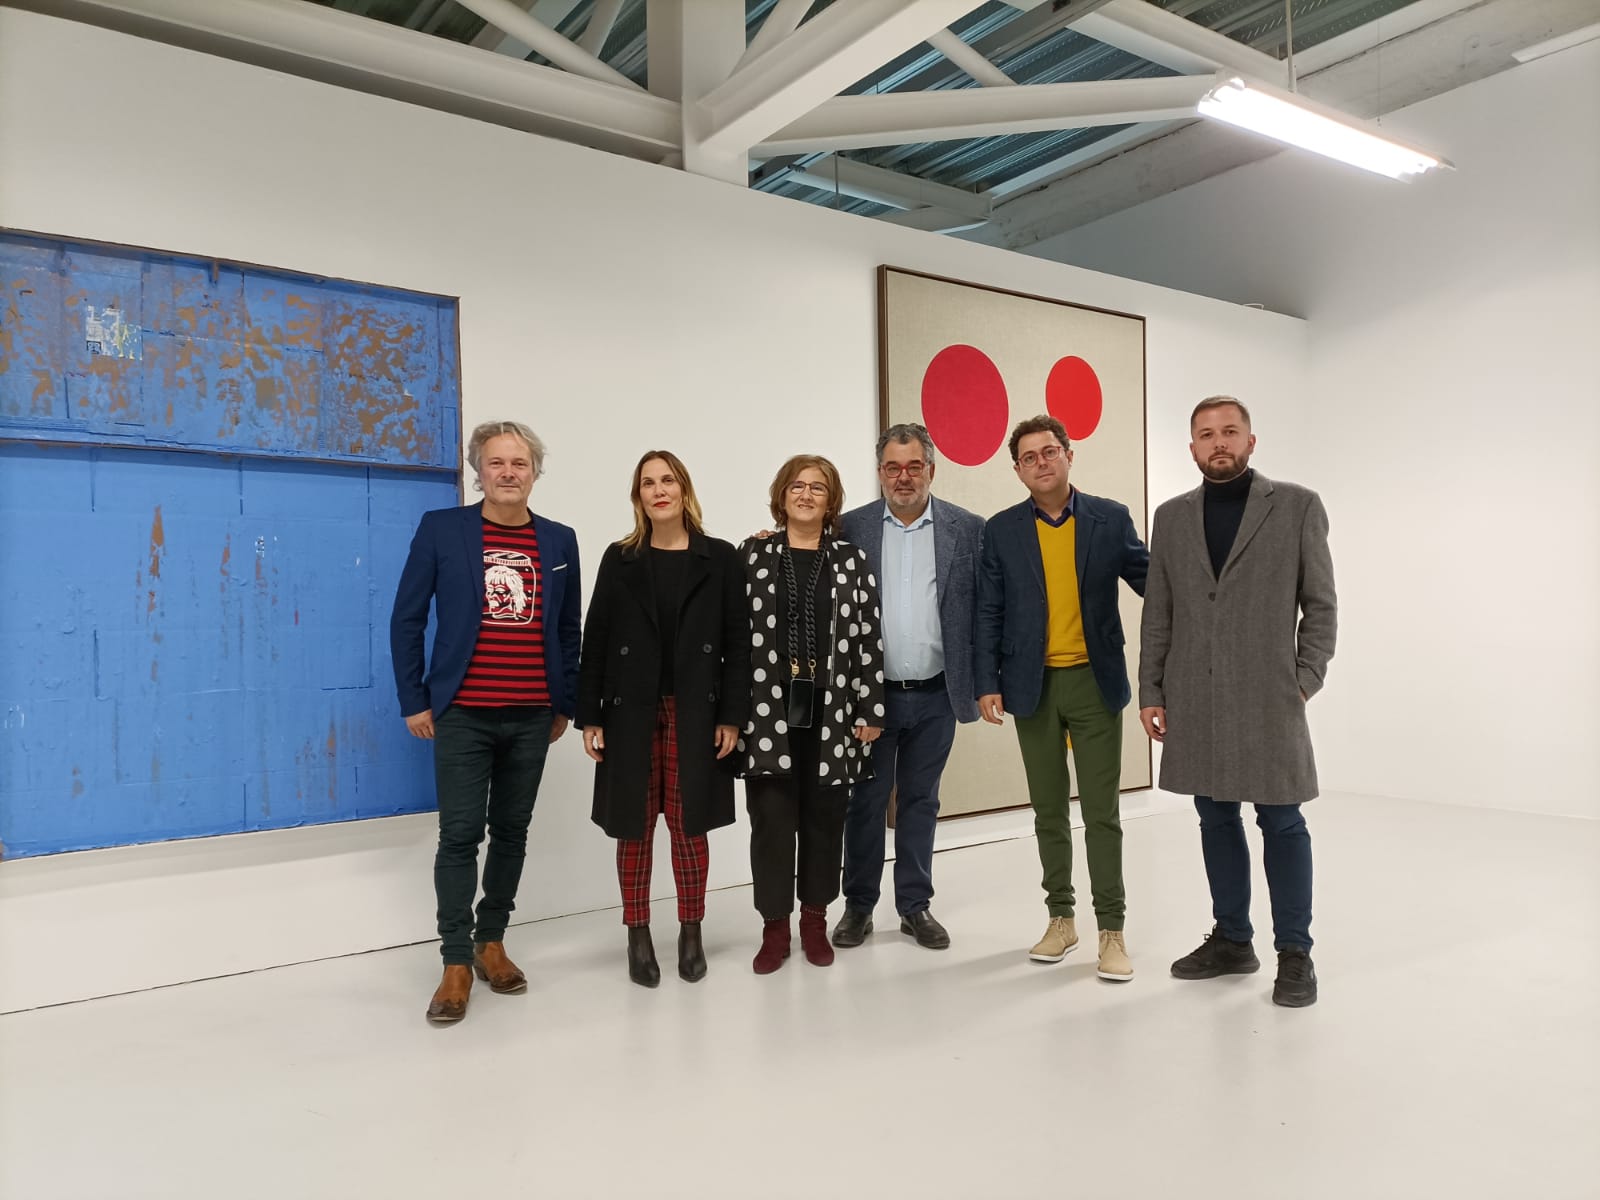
1217	474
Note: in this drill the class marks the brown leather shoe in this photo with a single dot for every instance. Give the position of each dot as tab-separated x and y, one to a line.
449	1003
499	972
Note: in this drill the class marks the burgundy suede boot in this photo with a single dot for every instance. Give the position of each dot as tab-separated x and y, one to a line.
774	946
814	935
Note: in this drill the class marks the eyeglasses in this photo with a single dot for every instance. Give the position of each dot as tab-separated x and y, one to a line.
800	487
895	470
1033	458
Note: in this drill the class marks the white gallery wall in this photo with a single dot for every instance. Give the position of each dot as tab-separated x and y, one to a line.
1451	422
613	305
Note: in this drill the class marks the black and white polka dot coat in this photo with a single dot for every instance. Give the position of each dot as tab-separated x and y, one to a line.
850	686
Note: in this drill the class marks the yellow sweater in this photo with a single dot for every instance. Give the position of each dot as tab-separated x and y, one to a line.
1058	545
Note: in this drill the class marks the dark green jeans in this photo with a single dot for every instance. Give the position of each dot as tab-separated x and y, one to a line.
487	763
1071	704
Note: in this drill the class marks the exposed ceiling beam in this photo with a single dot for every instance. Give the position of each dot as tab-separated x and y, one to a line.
1470	42
851	122
351	51
1141	28
969	60
602	19
782	19
1015	35
867	182
546	41
842	44
546	12
1114	142
692	48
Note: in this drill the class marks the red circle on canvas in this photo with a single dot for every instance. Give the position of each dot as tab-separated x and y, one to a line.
964	404
1072	394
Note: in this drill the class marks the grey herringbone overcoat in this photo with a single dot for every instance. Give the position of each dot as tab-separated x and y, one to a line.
1229	656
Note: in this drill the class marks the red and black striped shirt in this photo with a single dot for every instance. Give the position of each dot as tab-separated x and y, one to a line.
507	664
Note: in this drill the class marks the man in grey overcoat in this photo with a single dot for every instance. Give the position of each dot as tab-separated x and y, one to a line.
1239	624
924	552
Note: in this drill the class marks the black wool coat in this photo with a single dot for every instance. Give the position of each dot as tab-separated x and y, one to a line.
619	683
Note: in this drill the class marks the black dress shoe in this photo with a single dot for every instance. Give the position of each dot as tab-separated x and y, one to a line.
642	966
852	928
1296	985
691	954
928	932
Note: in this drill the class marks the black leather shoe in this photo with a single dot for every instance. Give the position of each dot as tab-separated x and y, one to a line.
642	966
928	932
852	928
1296	985
691	954
1217	956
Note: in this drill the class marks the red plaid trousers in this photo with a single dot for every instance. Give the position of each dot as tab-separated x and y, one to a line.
691	856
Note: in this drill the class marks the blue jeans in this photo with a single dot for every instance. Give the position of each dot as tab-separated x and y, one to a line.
918	731
1286	853
487	763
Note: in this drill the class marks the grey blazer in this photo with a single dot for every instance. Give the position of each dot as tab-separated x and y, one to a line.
957	543
1229	655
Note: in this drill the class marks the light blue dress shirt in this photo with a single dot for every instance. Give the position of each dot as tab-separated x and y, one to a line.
913	644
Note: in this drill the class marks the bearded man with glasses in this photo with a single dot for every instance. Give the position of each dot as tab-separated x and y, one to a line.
1049	651
924	553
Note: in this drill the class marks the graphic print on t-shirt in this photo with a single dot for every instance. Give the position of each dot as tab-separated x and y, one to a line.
507	664
510	587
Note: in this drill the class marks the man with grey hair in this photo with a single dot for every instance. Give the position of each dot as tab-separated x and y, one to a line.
502	685
1240	618
924	553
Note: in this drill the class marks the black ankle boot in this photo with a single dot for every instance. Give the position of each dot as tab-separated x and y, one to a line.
691	954
642	966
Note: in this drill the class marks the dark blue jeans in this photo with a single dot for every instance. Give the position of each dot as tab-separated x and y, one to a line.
487	763
1286	854
908	759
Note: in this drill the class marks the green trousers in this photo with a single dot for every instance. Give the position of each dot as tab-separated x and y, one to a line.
1071	704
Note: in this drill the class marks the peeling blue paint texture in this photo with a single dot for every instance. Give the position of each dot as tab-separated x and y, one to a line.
197	643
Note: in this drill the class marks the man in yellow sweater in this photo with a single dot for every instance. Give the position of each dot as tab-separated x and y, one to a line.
1049	651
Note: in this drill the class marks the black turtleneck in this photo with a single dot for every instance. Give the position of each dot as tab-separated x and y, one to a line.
1224	510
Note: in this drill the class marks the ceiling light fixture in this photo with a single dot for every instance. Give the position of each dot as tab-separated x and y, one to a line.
1296	121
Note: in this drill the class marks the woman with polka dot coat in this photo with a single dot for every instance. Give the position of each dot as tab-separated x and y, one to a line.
813	618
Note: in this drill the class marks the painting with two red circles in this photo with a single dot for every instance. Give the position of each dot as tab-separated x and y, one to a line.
969	362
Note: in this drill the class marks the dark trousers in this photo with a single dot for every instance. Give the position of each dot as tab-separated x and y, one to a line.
487	763
796	833
907	760
1286	854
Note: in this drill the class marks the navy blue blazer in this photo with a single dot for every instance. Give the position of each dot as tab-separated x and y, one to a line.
445	569
957	538
1012	618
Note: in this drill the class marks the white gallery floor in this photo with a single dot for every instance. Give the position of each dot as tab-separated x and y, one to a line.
1455	1051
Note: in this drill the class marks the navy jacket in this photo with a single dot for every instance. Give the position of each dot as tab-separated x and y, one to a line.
445	569
957	537
1012	616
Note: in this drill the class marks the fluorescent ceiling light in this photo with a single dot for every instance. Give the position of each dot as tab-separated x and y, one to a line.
1291	119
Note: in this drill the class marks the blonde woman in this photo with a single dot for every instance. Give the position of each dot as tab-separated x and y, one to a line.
663	689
